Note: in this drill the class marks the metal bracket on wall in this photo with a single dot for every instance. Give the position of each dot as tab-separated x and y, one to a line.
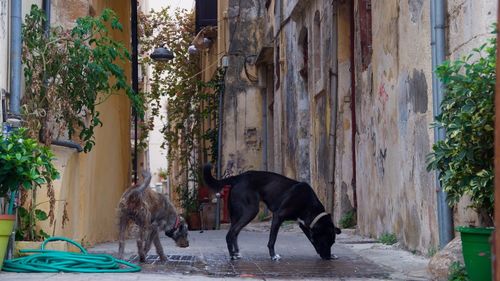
3	101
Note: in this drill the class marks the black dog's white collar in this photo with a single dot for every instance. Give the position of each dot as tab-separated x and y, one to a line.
315	220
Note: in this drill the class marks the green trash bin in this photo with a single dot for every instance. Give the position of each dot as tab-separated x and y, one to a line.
476	248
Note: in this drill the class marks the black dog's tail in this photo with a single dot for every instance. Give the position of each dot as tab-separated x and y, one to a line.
210	181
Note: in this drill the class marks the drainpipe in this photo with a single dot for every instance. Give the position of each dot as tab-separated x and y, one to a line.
14	118
225	64
353	110
445	216
15	61
135	80
46	9
219	129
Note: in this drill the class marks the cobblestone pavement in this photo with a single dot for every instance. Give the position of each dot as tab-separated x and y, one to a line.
206	257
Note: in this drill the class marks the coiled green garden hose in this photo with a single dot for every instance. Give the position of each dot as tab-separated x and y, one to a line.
60	261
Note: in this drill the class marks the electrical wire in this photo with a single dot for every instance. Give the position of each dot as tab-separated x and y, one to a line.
60	261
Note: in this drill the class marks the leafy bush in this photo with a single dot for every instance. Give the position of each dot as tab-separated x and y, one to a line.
69	72
464	158
388	238
26	229
24	163
188	198
457	272
348	220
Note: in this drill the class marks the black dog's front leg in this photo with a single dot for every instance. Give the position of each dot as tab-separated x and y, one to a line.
306	230
275	226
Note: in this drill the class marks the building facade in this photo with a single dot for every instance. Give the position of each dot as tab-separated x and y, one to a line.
91	183
340	94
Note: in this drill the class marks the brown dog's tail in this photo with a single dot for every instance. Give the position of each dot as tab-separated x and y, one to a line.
209	180
147	179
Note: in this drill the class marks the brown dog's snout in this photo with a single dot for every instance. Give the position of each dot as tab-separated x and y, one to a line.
182	243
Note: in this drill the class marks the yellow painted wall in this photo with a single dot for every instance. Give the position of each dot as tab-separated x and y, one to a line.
92	183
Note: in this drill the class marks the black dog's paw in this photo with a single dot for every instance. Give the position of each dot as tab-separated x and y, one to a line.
334	257
276	257
236	256
337	230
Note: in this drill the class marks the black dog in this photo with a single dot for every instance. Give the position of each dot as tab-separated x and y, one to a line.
286	198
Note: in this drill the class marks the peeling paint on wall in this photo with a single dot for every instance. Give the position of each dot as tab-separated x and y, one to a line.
381	155
383	97
3	19
415	7
418	91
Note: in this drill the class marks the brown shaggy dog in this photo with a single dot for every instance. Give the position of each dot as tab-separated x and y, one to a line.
151	212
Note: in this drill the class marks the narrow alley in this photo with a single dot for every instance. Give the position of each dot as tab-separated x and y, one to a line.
206	259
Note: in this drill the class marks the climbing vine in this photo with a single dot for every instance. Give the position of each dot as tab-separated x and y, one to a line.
189	101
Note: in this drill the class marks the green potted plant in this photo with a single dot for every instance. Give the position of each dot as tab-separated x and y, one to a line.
464	158
68	72
162	174
24	165
188	198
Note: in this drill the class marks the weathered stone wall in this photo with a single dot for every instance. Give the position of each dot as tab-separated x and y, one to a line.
394	110
242	133
308	93
343	160
311	131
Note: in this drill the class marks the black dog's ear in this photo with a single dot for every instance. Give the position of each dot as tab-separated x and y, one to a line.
337	230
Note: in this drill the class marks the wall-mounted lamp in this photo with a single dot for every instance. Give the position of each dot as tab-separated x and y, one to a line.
161	54
207	42
192	50
224	61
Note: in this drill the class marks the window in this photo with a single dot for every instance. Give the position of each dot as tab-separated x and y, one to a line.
317	47
365	28
303	46
277	67
206	13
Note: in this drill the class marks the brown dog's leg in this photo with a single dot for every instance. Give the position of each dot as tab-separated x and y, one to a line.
149	241
121	237
141	245
153	237
159	248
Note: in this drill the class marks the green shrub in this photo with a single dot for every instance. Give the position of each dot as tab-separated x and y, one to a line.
388	238
431	252
24	163
464	158
348	220
457	272
68	73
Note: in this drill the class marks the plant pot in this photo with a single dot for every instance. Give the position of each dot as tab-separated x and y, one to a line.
194	221
476	249
6	226
62	246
